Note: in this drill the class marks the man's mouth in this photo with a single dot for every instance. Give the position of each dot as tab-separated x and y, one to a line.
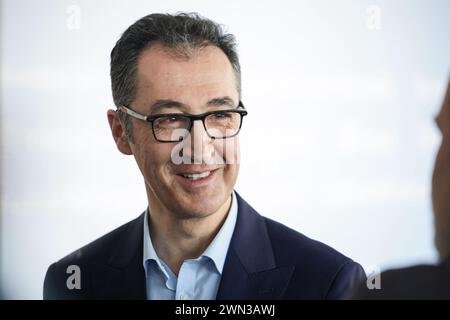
196	176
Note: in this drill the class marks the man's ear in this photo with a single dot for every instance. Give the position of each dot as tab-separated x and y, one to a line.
118	133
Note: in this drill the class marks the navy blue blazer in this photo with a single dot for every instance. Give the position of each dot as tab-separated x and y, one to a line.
265	260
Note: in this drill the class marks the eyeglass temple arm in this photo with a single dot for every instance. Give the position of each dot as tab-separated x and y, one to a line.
132	113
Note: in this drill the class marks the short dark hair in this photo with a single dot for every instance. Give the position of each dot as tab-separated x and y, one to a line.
181	32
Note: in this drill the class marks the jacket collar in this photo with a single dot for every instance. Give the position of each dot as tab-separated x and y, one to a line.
250	270
125	277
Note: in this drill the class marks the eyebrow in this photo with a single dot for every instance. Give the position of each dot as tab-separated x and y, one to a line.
168	103
165	103
221	101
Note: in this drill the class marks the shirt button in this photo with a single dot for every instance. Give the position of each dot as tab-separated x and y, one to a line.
184	296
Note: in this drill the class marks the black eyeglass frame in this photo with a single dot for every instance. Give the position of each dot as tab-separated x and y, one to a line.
152	118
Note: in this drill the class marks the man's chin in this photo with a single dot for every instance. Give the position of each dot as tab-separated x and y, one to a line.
192	207
193	215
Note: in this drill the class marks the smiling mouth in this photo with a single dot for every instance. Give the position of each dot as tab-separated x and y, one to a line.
196	176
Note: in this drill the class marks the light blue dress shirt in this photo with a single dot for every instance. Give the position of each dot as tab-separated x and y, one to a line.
198	279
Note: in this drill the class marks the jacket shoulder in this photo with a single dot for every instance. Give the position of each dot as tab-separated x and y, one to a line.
100	249
326	272
85	259
292	246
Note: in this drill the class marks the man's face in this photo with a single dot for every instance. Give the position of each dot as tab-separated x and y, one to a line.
441	182
167	84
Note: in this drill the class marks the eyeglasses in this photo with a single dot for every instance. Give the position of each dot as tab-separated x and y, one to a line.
174	127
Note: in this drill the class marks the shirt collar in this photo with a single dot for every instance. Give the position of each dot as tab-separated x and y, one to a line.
149	250
217	249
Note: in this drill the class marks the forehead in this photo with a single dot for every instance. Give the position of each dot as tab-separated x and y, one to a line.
205	71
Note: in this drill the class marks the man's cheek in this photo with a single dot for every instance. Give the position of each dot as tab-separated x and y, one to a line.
227	151
232	151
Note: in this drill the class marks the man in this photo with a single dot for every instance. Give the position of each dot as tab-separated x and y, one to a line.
177	85
426	281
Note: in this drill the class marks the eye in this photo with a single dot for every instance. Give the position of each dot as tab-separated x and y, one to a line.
171	121
173	118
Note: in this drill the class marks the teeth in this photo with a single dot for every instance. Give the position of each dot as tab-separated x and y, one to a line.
196	176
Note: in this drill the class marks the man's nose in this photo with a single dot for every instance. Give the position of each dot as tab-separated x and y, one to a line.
201	149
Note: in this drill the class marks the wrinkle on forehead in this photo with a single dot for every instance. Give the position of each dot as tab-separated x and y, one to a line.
206	69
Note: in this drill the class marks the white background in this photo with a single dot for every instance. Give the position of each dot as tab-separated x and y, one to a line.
339	143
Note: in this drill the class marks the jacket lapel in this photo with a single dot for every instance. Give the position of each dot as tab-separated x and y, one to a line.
250	271
125	276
